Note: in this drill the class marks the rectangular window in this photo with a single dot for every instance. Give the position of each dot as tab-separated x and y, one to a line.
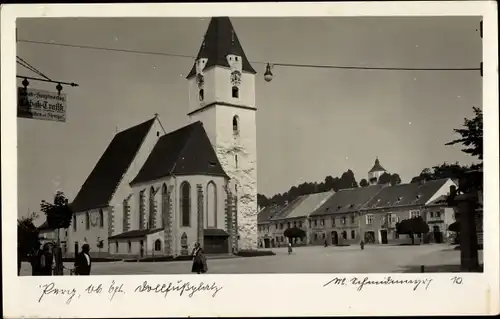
294	224
315	223
353	234
438	214
333	221
369	219
322	222
414	213
343	220
300	224
432	214
289	225
353	219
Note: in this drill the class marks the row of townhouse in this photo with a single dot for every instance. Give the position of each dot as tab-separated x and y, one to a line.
369	213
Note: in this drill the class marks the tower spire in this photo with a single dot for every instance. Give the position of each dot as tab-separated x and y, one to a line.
220	40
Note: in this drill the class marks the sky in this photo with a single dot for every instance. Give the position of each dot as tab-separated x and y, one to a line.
311	122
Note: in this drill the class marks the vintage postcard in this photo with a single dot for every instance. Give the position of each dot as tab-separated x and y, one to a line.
250	159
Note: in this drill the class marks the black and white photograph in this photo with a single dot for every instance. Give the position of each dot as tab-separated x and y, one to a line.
221	145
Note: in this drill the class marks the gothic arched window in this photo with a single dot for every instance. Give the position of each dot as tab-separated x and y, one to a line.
74	222
101	218
152	209
157	245
87	220
164	203
235	92
236	123
125	215
129	246
201	94
211	205
185	204
142	209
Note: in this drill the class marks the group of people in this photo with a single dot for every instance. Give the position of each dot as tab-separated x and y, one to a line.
45	260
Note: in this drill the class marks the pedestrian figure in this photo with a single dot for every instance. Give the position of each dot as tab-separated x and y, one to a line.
83	262
46	261
326	243
290	248
362	244
199	260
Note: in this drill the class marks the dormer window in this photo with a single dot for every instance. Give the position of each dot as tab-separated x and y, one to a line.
235	92
201	94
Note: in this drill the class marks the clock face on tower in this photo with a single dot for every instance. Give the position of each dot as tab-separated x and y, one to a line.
200	80
236	78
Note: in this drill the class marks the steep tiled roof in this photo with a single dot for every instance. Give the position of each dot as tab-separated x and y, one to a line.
377	167
221	40
135	233
348	200
304	205
186	151
102	182
268	212
405	194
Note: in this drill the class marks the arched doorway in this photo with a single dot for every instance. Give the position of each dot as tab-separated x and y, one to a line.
335	238
438	235
369	237
267	243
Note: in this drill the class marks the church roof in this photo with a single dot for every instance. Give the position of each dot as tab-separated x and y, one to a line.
219	41
377	167
186	151
102	182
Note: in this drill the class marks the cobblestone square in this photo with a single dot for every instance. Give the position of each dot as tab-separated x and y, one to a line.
311	259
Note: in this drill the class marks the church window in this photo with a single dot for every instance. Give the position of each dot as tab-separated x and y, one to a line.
164	203
201	94
185	204
236	160
236	128
157	245
87	220
236	92
211	205
125	215
141	209
74	222
101	219
116	246
152	209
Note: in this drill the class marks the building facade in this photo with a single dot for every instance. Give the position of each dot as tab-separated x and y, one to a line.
370	214
154	192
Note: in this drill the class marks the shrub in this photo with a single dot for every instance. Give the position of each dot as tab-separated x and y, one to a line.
255	253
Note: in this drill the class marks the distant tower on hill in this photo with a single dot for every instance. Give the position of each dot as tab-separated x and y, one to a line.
375	173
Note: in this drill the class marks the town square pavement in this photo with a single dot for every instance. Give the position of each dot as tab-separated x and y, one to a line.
310	259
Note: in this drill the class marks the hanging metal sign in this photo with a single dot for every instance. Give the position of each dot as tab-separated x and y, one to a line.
41	105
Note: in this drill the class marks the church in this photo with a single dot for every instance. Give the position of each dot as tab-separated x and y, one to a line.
154	192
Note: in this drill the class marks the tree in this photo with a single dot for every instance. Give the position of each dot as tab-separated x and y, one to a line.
412	226
59	214
294	232
363	183
454	171
28	238
395	179
471	135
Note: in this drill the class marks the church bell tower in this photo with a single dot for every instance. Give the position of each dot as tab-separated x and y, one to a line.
222	97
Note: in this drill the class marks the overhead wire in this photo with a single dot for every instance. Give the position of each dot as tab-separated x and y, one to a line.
255	62
25	64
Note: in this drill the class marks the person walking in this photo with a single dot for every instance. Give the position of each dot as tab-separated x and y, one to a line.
199	260
362	244
46	260
83	261
290	250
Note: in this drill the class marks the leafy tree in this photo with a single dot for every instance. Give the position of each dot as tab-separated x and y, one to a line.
363	183
59	214
395	179
294	232
28	238
471	135
411	227
454	171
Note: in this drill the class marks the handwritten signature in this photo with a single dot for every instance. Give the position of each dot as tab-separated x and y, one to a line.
180	287
387	281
